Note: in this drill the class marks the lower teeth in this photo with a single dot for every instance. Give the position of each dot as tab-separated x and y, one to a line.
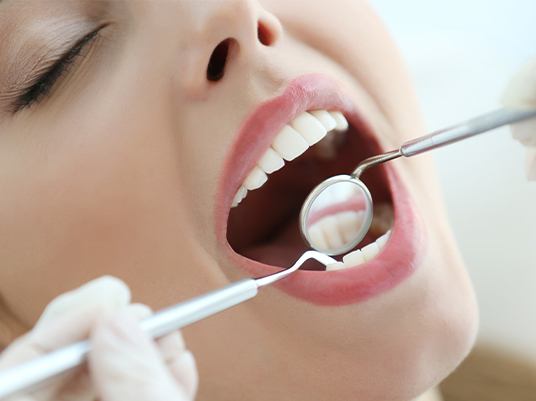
359	256
334	235
336	230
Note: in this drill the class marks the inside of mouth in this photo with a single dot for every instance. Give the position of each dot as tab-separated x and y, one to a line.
265	226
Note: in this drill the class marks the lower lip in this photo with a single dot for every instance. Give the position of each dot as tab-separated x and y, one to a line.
395	263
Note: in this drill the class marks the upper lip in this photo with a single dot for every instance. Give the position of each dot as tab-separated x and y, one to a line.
313	92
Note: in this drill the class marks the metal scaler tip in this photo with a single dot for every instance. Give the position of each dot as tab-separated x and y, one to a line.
318	256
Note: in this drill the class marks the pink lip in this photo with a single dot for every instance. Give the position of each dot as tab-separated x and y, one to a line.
397	260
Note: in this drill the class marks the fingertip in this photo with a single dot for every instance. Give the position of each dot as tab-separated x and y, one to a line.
521	92
121	334
525	132
119	328
171	346
109	287
139	311
184	369
107	292
123	360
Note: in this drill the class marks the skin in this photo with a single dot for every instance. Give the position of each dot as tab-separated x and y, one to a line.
116	172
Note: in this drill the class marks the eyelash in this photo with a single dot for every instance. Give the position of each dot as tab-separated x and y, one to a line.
44	83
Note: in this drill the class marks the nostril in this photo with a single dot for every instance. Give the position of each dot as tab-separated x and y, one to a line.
218	59
264	34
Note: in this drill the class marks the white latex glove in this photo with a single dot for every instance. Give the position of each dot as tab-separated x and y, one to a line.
521	93
124	364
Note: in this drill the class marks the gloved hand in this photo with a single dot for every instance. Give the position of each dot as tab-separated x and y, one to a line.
521	93
124	364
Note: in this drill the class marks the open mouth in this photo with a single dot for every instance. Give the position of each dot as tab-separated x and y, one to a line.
317	144
287	147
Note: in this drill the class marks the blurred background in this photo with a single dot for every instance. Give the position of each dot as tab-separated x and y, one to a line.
461	55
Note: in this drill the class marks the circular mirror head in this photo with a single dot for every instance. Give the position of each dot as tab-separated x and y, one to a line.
336	215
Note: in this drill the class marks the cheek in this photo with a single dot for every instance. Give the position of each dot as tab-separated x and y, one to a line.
85	199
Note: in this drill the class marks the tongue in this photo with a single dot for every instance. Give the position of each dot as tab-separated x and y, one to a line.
282	250
286	247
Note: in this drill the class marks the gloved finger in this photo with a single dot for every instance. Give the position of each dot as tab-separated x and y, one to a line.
78	313
73	324
126	365
525	132
521	94
180	362
80	386
108	291
530	163
521	91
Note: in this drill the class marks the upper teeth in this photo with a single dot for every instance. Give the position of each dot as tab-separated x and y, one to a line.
294	139
335	230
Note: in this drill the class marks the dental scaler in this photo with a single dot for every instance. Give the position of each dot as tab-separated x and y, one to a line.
30	374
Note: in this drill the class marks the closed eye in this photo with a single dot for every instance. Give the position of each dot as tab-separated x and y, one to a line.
42	84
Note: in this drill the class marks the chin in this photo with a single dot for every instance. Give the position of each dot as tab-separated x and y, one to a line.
412	339
436	329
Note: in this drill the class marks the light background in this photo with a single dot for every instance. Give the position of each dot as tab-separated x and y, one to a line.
461	55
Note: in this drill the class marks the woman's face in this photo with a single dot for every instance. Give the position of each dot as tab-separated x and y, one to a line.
127	127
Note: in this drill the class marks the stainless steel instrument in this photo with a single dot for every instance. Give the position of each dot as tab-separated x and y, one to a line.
347	193
30	374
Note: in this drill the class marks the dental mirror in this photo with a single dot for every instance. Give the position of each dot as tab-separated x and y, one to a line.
338	212
336	215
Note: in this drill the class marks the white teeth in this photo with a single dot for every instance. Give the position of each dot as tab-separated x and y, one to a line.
353	258
370	251
333	236
363	255
342	124
255	179
335	266
336	230
309	127
316	236
293	140
383	239
327	148
325	118
240	195
271	161
289	143
349	223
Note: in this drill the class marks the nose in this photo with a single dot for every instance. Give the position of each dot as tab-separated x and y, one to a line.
219	34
